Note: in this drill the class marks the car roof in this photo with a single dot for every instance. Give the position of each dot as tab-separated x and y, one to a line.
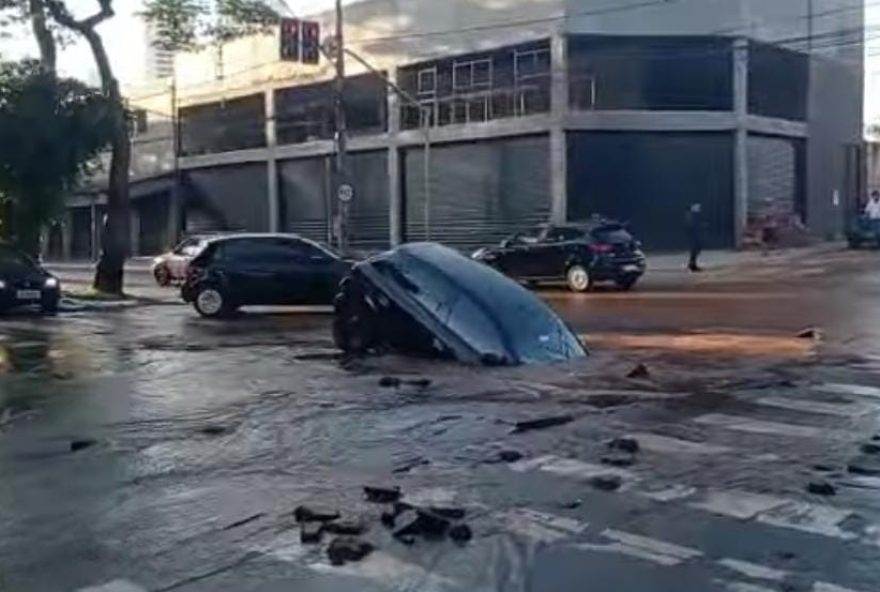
266	235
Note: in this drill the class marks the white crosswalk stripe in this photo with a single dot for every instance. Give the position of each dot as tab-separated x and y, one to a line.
772	428
819	407
849	389
753	570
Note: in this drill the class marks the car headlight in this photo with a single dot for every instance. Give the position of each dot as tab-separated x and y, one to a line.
158	260
2	285
51	283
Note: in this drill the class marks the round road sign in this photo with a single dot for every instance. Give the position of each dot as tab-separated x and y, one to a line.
345	192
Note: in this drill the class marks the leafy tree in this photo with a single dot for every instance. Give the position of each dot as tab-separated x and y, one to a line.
189	24
109	271
53	131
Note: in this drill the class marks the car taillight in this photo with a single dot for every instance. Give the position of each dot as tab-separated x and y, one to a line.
601	248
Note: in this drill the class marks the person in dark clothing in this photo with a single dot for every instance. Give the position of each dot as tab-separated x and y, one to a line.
695	226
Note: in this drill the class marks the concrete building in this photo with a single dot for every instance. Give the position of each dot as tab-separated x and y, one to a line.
541	110
158	62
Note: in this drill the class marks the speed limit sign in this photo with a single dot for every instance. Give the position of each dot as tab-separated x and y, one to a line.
345	192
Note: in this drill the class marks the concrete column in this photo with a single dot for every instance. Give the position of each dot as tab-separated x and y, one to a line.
272	162
67	235
44	241
559	91
741	139
395	191
134	231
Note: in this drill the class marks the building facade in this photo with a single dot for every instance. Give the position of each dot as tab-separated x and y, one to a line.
539	110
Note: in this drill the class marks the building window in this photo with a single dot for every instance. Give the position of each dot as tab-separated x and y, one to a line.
531	73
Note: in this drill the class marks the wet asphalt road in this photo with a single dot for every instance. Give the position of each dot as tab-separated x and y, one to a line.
201	437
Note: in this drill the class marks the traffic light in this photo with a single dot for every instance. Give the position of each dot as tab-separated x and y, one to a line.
290	39
311	42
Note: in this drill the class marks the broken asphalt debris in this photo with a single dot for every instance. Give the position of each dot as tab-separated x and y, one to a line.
870	448
346	527
618	458
389	382
625	444
505	456
309	514
639	371
82	444
407	466
821	488
541	423
809	333
419	522
344	549
857	469
214	430
606	482
571	505
461	533
419	382
823	468
381	495
310	532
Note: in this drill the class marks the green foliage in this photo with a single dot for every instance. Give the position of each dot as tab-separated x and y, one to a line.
187	24
53	131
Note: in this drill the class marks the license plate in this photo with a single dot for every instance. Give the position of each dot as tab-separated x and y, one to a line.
631	269
28	294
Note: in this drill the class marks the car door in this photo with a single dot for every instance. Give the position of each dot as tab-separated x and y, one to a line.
516	257
538	260
250	266
325	271
302	271
558	247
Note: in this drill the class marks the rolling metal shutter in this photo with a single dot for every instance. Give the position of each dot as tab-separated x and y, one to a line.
772	175
480	192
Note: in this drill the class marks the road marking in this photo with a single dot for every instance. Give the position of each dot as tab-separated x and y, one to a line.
114	586
672	493
394	573
641	547
569	467
543	527
812	518
754	570
669	445
810	406
746	587
826	587
849	389
755	426
738	504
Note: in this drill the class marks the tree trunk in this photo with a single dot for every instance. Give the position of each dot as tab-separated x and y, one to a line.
114	247
45	40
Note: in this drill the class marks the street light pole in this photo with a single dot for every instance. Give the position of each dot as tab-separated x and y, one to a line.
425	121
341	139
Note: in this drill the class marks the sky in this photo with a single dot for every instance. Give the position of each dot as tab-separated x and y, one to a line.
124	38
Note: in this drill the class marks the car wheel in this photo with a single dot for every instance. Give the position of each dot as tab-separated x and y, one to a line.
163	276
353	330
211	303
626	283
578	278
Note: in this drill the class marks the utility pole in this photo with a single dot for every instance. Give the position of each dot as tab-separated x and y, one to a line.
342	220
175	209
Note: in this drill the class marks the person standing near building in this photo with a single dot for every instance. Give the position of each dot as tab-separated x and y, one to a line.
695	227
872	212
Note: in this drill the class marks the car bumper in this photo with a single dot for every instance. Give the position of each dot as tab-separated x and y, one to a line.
618	268
11	297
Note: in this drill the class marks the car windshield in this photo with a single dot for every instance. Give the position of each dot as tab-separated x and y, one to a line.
12	258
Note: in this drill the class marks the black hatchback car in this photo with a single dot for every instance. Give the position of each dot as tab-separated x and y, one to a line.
24	283
261	269
579	254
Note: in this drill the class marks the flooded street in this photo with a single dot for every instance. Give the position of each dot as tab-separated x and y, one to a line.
147	449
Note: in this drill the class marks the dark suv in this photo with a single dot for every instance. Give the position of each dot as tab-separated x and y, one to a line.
580	254
261	269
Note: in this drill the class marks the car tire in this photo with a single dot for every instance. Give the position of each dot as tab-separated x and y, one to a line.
211	303
625	284
163	276
578	279
353	331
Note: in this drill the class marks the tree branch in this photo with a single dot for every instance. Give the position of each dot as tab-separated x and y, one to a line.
45	40
58	10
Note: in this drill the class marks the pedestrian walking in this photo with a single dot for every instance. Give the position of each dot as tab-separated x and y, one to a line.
695	228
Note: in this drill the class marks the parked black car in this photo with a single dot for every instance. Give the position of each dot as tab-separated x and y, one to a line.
429	300
862	233
261	269
579	254
23	282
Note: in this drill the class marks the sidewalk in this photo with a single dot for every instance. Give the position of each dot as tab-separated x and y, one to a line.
720	260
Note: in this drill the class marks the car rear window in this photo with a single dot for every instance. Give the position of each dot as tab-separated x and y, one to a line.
611	234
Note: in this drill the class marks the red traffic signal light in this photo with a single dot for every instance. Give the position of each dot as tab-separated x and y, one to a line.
311	42
289	39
